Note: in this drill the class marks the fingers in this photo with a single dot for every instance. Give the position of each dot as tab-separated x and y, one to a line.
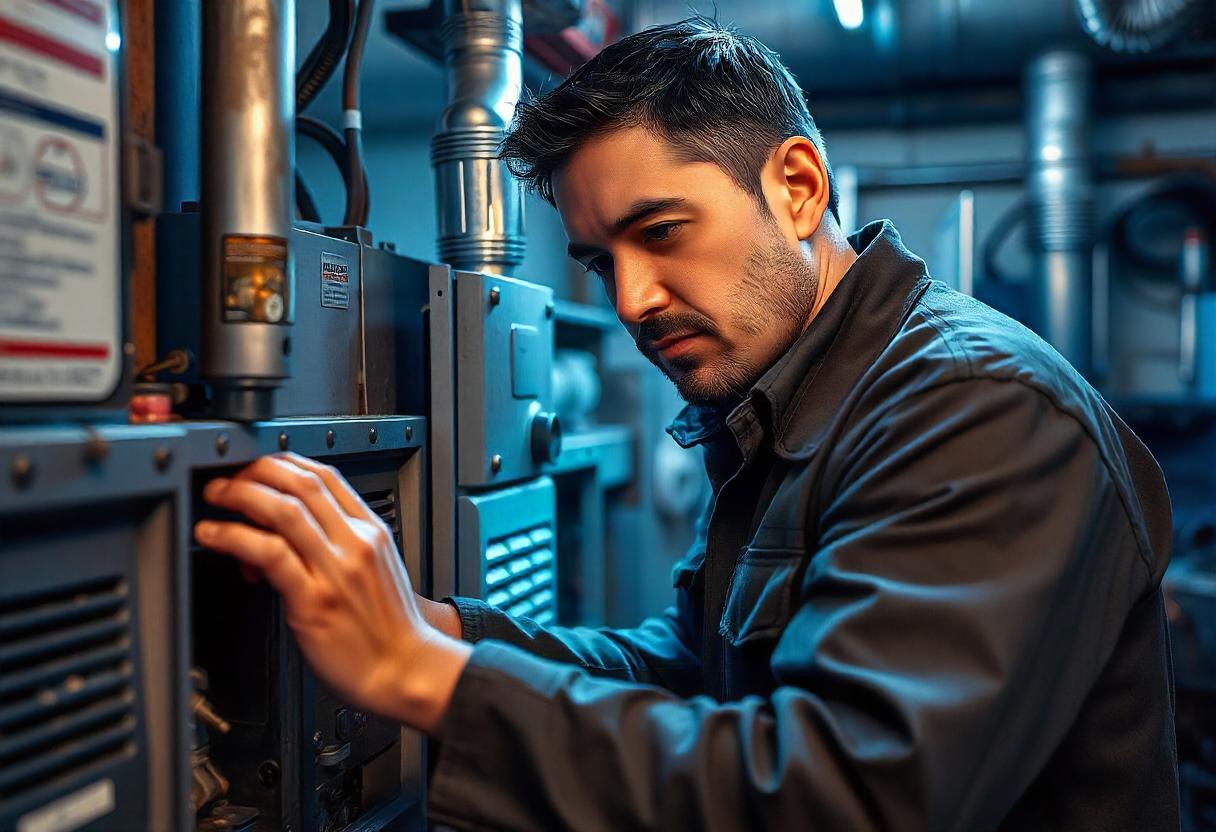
306	486
281	513
347	497
263	551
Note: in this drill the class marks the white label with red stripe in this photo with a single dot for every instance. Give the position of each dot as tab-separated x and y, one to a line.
60	223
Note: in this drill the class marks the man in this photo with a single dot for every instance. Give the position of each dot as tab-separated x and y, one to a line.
926	593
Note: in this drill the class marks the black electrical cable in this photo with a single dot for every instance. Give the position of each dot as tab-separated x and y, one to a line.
332	143
1000	231
325	54
306	205
358	203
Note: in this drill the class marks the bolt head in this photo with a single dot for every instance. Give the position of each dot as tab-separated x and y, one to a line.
409	433
284	441
496	463
495	296
221	444
162	457
371	435
268	773
329	438
22	471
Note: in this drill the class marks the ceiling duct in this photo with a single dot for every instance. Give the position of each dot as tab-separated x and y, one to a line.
1136	25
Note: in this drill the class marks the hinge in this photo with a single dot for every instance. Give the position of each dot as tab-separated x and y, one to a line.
142	175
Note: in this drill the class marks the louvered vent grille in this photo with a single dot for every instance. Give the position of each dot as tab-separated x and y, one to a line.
384	503
521	574
66	683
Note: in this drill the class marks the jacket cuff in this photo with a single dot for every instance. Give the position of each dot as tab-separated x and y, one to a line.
473	613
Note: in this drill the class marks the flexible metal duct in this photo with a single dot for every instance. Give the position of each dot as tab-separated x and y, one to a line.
480	204
248	168
1135	25
1060	189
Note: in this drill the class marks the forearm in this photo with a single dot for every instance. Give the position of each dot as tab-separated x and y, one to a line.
656	652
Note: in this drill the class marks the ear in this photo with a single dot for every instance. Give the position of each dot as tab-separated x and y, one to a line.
798	180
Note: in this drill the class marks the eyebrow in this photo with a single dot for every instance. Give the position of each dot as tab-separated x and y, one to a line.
637	212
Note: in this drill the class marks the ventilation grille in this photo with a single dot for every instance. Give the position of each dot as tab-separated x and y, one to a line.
66	684
521	574
384	504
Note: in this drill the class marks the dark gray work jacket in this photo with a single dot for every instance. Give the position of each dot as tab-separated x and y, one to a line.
926	597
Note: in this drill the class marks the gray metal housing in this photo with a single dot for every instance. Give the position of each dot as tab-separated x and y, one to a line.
95	541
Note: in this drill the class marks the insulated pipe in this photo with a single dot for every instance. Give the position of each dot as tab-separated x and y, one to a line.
178	64
247	201
1060	186
479	202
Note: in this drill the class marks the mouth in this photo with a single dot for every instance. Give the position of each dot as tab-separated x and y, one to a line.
674	345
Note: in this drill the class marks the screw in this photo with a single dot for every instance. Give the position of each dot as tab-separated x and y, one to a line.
283	441
409	433
371	435
221	444
268	773
96	449
496	463
329	438
22	471
495	296
162	457
549	309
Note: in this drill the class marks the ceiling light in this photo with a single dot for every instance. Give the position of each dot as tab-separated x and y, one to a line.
850	13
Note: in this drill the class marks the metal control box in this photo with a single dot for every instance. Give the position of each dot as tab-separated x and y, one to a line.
357	345
504	353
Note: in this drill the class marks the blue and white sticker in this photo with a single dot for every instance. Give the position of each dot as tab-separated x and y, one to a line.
335	281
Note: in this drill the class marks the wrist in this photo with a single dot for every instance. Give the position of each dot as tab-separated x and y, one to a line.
443	616
429	680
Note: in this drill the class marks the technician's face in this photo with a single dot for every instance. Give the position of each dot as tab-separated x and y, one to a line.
708	285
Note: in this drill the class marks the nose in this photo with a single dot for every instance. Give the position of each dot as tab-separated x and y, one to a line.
638	294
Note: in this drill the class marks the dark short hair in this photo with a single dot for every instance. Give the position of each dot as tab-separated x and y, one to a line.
715	94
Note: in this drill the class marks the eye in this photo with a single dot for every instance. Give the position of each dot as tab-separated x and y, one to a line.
661	232
601	265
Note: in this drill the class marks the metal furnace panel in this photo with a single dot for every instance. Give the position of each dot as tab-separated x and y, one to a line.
94	704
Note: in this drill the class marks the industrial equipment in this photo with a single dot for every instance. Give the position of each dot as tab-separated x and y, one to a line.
289	752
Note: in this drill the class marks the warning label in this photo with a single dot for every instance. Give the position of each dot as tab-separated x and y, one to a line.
60	224
335	281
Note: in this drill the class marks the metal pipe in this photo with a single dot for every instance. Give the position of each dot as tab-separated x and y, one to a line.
1059	181
247	201
479	203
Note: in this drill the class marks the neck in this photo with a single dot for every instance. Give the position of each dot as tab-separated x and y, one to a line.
829	249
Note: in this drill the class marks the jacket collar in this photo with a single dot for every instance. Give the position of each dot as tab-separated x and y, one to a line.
794	400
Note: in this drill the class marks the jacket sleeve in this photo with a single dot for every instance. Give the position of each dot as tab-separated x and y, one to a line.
657	652
973	567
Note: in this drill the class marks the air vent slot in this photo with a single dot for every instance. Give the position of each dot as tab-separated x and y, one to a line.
520	573
66	683
384	504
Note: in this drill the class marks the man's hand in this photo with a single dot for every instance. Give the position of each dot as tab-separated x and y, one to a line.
346	594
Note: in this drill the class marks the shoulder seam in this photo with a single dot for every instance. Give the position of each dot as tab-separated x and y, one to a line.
943	328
